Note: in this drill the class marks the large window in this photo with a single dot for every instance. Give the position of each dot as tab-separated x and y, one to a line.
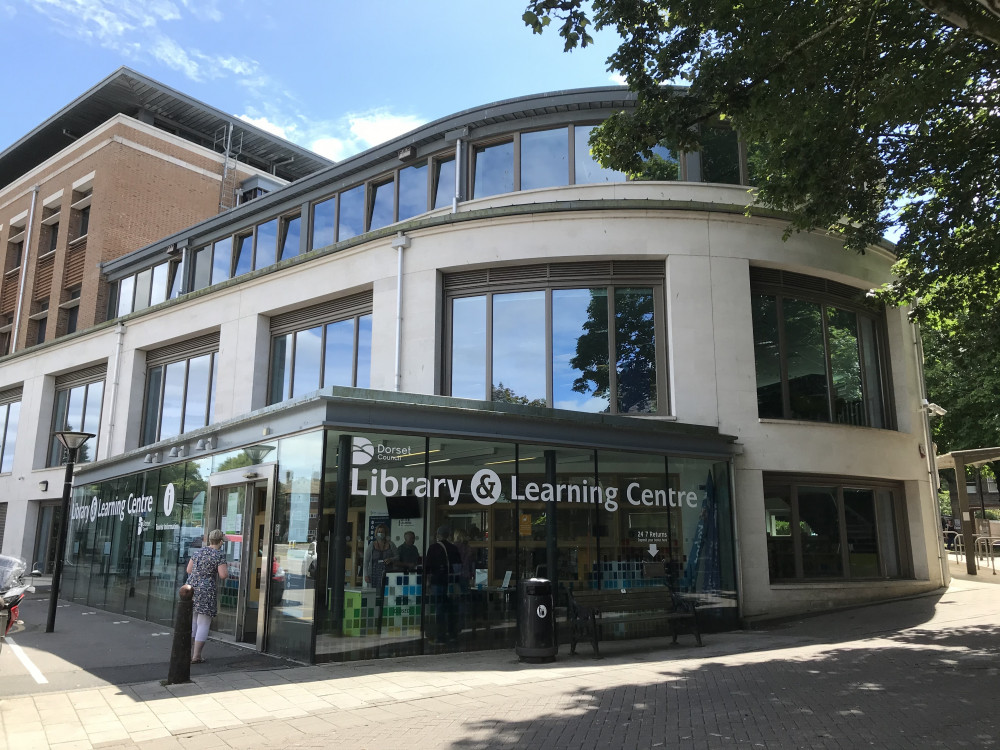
819	351
78	408
322	346
180	388
148	287
820	529
588	343
10	412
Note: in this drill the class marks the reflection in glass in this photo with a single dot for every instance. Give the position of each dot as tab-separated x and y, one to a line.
663	165
143	284
767	354
158	292
126	290
290	241
468	347
873	383
580	350
807	384
281	368
267	243
222	257
720	156
173	400
364	354
244	255
151	412
352	213
198	387
412	191
444	182
588	169
778	523
295	531
324	228
308	346
202	268
544	158
519	348
862	533
382	205
635	342
338	362
845	365
494	169
13	413
819	526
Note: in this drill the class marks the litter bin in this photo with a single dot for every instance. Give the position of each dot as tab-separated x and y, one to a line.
536	622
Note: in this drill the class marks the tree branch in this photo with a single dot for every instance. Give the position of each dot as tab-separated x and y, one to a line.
981	18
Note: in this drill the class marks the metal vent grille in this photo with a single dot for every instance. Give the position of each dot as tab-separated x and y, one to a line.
11	395
82	377
790	281
344	307
556	272
183	350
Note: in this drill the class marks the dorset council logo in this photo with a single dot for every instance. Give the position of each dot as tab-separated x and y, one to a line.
485	486
168	499
363	451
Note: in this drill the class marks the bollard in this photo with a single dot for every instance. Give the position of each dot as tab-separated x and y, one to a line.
180	652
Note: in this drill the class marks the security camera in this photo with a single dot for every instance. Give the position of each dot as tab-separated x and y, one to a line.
935	411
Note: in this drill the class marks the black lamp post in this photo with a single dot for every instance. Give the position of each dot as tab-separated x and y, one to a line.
72	442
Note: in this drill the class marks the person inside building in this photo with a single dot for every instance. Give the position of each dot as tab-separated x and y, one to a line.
379	555
442	564
206	565
407	554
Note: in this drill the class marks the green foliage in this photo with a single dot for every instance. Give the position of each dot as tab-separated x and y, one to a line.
504	395
944	503
861	114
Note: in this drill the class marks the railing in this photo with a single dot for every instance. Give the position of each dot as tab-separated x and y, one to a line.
986	547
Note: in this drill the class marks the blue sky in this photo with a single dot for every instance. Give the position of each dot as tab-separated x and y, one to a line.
333	76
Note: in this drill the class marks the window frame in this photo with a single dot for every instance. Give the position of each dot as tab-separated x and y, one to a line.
174	354
576	277
827	294
56	451
793	482
352	308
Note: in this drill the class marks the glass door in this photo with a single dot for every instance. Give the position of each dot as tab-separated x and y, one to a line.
240	511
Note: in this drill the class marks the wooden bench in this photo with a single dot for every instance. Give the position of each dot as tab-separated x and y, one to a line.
589	608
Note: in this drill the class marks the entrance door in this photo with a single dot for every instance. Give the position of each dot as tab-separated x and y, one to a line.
240	510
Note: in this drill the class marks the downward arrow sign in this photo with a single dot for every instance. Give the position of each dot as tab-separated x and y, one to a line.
653	550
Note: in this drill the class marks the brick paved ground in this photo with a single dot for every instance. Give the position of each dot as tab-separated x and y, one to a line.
920	673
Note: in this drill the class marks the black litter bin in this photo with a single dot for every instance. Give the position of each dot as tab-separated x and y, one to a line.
536	622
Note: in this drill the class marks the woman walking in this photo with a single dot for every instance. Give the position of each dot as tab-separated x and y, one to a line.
205	566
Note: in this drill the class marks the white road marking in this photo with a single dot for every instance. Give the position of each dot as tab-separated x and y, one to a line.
156	634
34	671
120	622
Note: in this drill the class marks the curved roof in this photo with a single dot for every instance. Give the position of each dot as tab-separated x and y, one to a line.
127	92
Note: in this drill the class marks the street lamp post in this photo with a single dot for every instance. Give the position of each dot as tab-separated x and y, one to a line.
72	442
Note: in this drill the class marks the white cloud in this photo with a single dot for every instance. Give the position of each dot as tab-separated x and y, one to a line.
618	79
359	131
266	125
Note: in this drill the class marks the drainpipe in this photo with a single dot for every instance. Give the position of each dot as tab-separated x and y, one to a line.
458	175
119	345
400	242
918	353
24	269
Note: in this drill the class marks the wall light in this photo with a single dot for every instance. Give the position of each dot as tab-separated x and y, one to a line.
176	452
44	485
204	444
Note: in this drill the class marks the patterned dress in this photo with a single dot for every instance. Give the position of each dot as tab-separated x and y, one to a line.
202	578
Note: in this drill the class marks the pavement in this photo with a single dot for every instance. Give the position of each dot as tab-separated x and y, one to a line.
914	673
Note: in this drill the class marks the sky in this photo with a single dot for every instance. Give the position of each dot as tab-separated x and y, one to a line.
334	76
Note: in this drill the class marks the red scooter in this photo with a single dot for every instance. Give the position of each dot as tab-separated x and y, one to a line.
12	591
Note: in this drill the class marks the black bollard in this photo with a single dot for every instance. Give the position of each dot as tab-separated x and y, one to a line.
180	652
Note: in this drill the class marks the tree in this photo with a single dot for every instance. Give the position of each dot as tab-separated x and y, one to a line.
861	115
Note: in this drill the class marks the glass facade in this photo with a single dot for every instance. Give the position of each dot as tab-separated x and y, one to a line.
304	566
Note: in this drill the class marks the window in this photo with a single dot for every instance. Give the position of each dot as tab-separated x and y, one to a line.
70	311
822	529
289	241
84	226
180	388
77	407
323	346
382	210
493	167
53	238
413	191
588	169
351	218
324	223
243	254
266	252
38	321
151	286
544	158
444	182
720	156
10	412
581	337
819	351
